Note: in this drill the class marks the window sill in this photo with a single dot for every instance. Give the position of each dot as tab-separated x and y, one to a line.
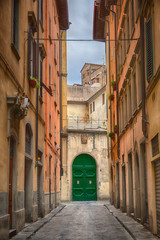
15	51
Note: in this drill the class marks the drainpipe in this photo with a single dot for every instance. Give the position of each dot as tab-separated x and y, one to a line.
60	71
55	182
143	76
118	145
9	122
110	87
115	25
37	73
37	92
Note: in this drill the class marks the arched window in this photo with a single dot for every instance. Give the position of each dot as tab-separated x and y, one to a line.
28	139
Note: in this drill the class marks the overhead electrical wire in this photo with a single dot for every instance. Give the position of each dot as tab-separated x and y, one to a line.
87	40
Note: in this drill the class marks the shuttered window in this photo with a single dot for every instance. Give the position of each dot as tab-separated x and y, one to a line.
155	145
41	11
55	97
50	126
55	133
15	23
149	49
49	75
41	76
32	47
93	106
28	140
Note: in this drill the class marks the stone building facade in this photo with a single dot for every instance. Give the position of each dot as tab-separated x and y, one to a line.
23	102
93	73
56	20
86	141
137	77
18	172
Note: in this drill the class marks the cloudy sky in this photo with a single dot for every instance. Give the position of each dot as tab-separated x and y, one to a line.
81	17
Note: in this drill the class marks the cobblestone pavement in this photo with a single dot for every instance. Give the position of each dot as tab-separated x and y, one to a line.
86	221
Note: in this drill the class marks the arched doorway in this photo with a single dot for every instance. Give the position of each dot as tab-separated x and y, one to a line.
84	178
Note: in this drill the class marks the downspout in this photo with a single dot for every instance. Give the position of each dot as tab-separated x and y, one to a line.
110	88
118	145
9	122
115	25
108	81
60	71
37	92
143	75
55	182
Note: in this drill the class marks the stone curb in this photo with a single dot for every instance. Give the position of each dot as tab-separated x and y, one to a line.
30	230
135	229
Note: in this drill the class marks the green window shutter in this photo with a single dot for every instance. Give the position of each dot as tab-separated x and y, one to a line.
149	49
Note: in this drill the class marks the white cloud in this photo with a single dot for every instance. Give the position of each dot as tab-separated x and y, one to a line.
81	16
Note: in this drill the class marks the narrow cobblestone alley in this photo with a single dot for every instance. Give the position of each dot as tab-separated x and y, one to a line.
86	221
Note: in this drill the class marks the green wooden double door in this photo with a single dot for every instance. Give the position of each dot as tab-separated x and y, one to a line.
84	180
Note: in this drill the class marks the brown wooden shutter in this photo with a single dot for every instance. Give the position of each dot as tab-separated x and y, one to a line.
41	76
34	58
29	51
149	49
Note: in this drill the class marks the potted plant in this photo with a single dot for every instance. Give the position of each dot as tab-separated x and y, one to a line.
114	85
38	84
33	82
111	96
115	128
112	135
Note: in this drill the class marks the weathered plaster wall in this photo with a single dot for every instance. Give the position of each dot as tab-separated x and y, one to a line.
81	93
